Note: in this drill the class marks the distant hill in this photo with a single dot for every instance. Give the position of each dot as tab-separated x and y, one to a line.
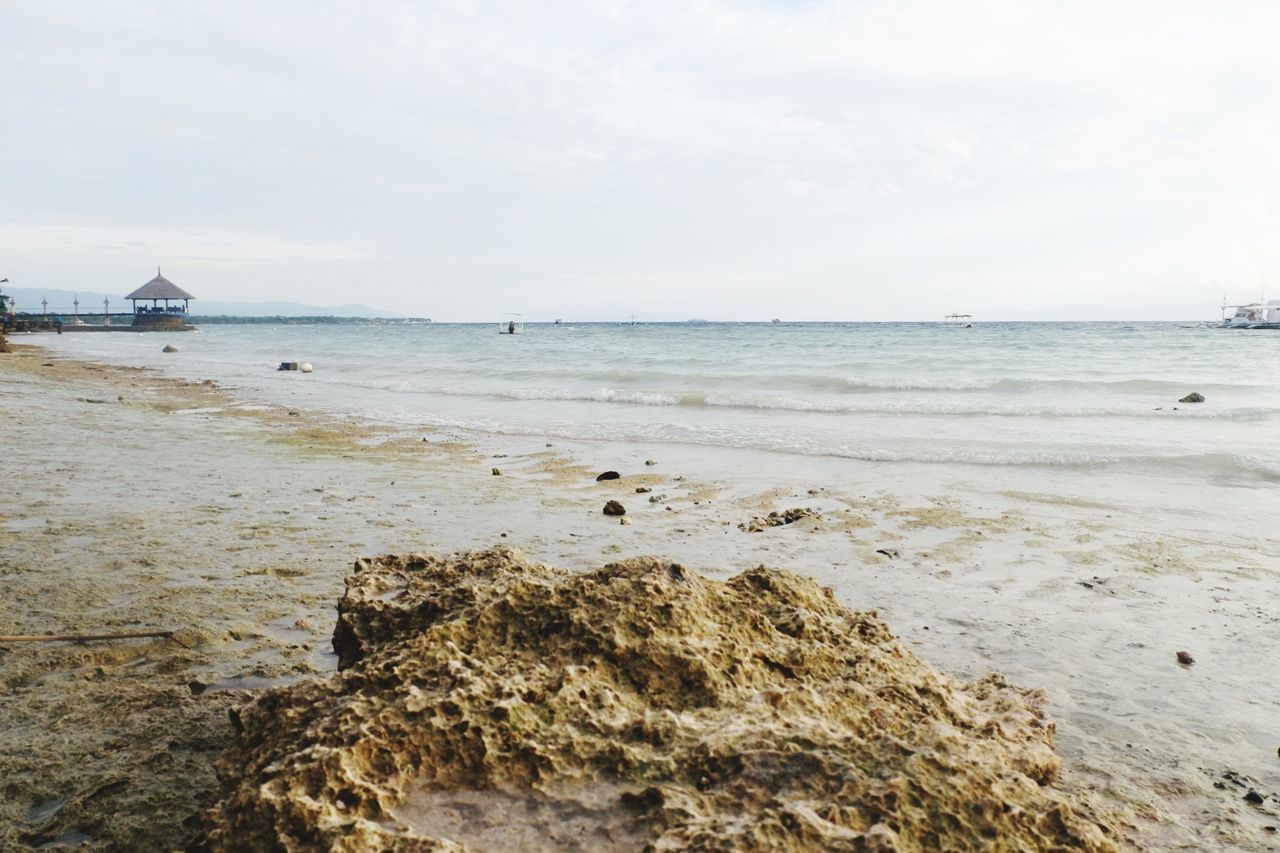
60	302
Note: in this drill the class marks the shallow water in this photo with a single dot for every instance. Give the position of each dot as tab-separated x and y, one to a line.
1052	394
1093	406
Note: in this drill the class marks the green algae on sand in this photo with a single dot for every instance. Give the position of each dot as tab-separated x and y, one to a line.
485	701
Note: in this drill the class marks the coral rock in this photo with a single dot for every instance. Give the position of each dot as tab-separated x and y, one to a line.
487	702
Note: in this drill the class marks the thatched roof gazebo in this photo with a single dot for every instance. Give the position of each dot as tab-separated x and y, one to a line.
157	316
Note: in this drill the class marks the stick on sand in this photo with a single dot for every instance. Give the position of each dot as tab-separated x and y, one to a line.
84	638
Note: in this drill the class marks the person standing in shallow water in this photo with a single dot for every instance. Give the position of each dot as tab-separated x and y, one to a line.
511	327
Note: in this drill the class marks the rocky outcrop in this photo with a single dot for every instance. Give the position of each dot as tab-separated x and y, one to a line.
484	701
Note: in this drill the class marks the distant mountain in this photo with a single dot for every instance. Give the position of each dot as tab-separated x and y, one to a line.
284	309
61	302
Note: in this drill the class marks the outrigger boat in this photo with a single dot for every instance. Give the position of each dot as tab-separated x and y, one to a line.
1255	315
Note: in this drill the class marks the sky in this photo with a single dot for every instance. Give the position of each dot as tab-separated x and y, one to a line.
801	159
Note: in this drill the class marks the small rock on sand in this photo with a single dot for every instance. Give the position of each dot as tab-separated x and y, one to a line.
608	475
641	490
614	508
169	348
497	472
624	520
777	519
1254	797
1185	658
1193	397
650	462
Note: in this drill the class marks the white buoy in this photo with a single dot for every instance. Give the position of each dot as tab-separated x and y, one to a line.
305	367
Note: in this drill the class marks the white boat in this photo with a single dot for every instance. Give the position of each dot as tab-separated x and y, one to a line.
1254	315
962	320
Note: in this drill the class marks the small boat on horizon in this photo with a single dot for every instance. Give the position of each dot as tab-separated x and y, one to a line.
963	320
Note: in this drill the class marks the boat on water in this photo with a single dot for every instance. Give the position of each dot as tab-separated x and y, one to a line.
962	320
1254	315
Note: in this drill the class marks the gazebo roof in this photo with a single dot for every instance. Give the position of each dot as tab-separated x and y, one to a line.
159	288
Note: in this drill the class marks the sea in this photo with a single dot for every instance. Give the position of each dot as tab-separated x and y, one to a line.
1083	396
1020	405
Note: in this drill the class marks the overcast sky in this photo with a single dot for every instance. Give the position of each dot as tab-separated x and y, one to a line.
590	160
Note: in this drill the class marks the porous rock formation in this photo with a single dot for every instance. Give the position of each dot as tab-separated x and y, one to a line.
486	702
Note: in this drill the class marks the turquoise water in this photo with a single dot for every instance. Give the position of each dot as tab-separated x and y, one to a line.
1039	395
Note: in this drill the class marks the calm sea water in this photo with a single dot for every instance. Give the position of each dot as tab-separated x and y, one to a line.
1041	395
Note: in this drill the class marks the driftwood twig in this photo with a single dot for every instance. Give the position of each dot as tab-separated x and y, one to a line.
85	638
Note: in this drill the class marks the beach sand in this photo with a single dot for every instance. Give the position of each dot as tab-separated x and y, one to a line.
134	502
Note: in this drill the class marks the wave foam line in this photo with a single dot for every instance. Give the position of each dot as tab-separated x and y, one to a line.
706	399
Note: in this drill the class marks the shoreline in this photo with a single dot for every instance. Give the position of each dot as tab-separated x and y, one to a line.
241	518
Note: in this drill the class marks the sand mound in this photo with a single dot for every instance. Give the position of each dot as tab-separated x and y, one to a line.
486	702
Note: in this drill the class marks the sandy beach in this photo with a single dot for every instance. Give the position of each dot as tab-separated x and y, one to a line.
136	502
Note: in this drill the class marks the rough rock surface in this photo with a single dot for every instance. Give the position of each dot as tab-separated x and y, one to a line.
777	519
487	702
1193	397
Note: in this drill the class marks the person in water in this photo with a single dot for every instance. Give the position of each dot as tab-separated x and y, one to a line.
511	327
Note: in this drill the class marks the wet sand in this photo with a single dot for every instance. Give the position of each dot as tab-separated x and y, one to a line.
135	502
